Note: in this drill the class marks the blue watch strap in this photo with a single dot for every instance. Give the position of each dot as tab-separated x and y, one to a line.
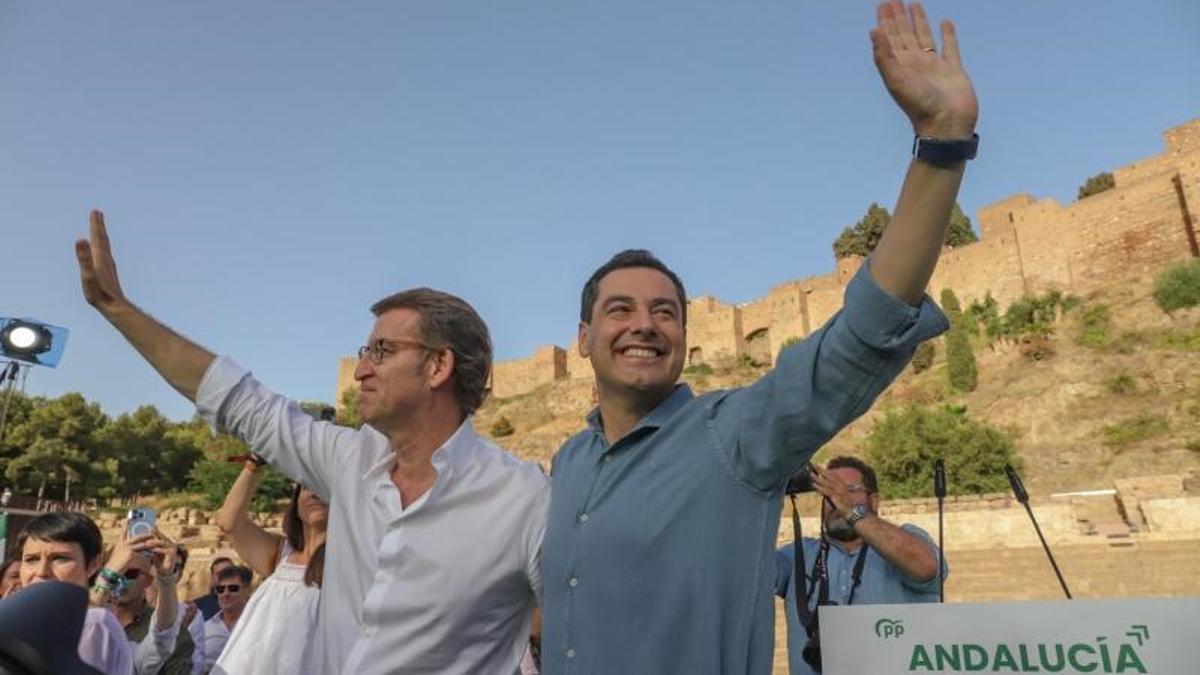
939	151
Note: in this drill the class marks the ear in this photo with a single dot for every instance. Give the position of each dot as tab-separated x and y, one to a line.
874	502
440	367
585	349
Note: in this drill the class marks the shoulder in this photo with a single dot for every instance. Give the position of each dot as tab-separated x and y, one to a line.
495	463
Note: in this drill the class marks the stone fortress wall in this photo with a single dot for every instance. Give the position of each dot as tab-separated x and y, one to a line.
1027	246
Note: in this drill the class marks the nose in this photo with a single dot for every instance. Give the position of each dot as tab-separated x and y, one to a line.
364	369
42	570
642	322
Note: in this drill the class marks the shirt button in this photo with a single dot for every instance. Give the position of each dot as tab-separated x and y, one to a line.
608	458
573	582
570	653
583	517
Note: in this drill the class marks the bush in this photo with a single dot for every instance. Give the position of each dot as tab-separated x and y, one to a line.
923	358
904	443
699	369
502	427
960	359
1133	429
1097	184
1178	287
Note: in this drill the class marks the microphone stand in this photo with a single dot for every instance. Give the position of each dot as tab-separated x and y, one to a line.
939	489
1022	496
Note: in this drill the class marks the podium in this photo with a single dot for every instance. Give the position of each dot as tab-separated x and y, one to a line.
1151	635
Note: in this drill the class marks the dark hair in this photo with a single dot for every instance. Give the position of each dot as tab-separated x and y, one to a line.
449	322
633	257
868	474
65	527
239	571
293	529
217	561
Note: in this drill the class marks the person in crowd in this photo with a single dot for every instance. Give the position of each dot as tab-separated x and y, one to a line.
399	595
148	609
66	546
233	592
10	577
275	633
665	508
867	560
207	604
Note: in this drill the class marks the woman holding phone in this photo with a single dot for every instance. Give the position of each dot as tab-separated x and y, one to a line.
275	629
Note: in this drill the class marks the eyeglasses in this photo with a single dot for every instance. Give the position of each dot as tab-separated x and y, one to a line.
858	487
228	588
132	574
383	346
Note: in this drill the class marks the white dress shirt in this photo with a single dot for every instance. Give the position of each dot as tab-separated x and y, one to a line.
446	585
216	634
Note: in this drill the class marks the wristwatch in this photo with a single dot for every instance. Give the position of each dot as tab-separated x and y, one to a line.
857	513
941	151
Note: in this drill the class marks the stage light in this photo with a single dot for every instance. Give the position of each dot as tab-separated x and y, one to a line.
31	341
22	338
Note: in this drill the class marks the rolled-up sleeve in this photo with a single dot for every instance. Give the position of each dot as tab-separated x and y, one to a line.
771	428
305	449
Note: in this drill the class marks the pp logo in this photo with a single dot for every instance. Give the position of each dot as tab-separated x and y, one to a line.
888	628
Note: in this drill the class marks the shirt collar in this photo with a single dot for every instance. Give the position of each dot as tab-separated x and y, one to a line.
655	418
451	452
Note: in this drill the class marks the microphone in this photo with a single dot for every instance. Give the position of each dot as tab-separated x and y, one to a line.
939	489
1022	496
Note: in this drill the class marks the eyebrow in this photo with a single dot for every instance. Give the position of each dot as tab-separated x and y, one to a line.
653	303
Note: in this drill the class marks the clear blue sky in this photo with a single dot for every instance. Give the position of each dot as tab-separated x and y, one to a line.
269	169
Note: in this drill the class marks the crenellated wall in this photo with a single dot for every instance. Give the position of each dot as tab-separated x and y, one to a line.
1027	246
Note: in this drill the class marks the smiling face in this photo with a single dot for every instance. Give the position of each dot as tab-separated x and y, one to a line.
636	339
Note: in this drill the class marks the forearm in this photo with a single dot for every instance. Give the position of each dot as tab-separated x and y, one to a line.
907	552
167	610
236	506
180	361
907	254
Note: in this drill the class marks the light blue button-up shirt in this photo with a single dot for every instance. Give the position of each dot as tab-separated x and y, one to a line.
881	583
659	554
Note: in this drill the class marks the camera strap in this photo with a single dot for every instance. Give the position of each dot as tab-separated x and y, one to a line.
820	575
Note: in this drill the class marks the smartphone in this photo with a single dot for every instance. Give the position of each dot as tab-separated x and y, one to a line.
140	521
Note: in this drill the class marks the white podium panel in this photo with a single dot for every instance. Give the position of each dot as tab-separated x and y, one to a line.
1159	635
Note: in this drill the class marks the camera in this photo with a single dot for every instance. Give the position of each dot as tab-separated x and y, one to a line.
802	481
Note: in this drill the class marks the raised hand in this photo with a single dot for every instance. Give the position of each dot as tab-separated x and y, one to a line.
931	88
97	269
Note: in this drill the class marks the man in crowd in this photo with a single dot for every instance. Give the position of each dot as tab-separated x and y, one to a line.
233	592
400	594
664	510
207	604
152	625
867	560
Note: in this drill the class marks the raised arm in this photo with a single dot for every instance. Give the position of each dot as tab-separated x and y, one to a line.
259	548
180	361
934	92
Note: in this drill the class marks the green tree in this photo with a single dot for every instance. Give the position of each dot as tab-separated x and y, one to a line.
862	238
502	427
1096	184
55	442
960	231
960	359
1178	287
151	455
213	475
348	416
903	444
318	410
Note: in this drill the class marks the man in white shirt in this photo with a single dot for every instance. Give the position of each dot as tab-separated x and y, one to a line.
233	592
434	542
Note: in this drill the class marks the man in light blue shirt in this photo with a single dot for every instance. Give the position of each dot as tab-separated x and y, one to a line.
659	555
869	561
